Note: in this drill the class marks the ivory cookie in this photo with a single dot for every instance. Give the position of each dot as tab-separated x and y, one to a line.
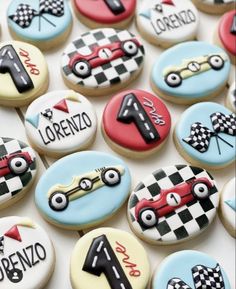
179	74
167	22
215	6
231	97
17	170
102	61
24	72
205	135
26	254
83	190
109	259
61	122
136	123
173	204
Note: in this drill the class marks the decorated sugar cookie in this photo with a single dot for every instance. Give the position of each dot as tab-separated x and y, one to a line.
206	135
44	23
180	72
17	170
61	122
228	207
190	269
231	97
83	189
26	254
136	123
105	13
108	258
102	61
173	204
167	22
24	72
215	6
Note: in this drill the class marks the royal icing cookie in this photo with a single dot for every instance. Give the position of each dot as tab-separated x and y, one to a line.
167	22
44	23
205	135
190	269
109	259
228	207
215	6
17	170
24	72
180	72
61	122
26	254
136	123
231	97
173	204
111	13
83	189
102	61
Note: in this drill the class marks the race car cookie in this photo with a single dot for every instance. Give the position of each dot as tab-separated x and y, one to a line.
205	135
109	258
83	190
190	269
231	97
180	72
102	61
61	122
228	207
167	22
17	170
173	204
105	13
136	123
215	6
43	23
24	72
26	254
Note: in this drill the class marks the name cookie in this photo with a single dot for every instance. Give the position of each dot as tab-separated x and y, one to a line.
136	123
83	189
231	97
167	22
26	254
180	72
215	6
102	61
17	170
205	135
61	122
24	72
110	259
173	204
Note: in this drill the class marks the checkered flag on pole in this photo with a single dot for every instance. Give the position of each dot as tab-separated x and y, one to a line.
24	15
53	7
48	114
2	245
224	123
177	283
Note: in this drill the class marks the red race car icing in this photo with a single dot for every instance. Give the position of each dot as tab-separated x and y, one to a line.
227	31
106	11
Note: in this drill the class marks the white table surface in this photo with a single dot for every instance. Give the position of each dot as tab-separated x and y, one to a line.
214	241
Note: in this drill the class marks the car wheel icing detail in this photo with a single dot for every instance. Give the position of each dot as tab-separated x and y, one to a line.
111	177
216	62
82	68
58	201
173	79
130	48
148	218
18	165
201	190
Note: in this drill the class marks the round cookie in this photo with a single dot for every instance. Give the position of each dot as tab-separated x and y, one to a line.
26	254
231	97
108	258
83	190
105	13
24	72
228	207
102	61
214	6
173	204
17	170
205	135
179	74
167	22
61	122
136	123
43	23
190	269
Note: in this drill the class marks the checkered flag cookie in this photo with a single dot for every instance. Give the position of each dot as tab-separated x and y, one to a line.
48	114
177	283
24	15
224	123
53	7
2	245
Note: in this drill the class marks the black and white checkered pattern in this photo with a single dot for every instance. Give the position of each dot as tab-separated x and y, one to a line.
53	7
11	184
208	278
118	70
184	222
2	245
24	15
224	123
48	114
177	283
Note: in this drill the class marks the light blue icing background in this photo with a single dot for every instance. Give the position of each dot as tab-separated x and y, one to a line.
201	113
196	86
91	207
47	30
179	265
